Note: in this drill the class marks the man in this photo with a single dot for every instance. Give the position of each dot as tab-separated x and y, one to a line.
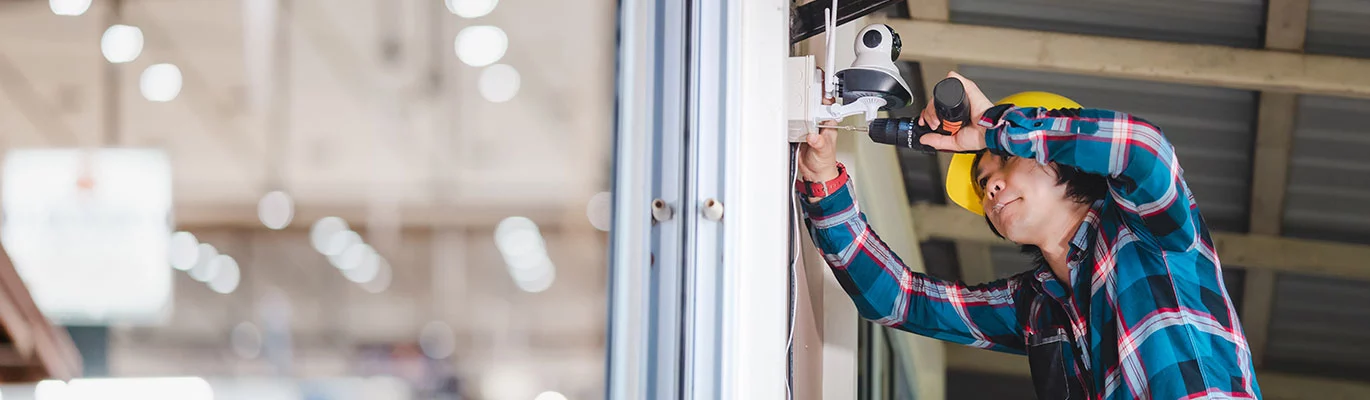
1127	299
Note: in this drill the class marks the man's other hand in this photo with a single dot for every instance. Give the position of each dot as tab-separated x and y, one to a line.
971	137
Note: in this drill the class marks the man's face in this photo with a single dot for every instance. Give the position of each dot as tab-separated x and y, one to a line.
1020	196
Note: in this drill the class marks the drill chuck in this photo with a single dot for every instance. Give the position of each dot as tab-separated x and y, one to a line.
902	132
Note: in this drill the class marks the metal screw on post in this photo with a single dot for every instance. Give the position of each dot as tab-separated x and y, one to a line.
661	212
713	210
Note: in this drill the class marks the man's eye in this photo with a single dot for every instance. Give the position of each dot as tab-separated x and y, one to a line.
983	181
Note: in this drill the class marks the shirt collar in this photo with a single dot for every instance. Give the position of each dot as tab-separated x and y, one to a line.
1079	244
1085	233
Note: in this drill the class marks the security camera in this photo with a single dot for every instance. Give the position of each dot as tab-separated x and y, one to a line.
871	84
873	74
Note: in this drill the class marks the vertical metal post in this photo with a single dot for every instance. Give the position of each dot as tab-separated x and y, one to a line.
629	259
698	305
703	258
645	267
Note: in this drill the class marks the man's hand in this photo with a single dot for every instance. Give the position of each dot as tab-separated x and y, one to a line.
971	137
818	155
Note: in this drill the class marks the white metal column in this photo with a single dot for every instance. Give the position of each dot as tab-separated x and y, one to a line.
756	170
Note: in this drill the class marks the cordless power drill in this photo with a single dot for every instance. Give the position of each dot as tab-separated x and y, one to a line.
952	108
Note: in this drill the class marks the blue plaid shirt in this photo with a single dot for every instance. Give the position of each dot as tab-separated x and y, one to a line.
1147	315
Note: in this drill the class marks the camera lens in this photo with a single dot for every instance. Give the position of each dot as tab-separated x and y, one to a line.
871	39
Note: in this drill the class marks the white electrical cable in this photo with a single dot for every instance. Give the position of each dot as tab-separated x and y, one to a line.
795	249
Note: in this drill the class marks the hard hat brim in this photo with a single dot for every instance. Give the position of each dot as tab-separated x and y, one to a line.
960	185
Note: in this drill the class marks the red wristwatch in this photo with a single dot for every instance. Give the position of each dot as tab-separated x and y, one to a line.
816	189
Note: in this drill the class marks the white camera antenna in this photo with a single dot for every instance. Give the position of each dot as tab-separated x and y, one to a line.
830	62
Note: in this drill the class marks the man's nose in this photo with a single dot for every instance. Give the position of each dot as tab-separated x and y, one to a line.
992	190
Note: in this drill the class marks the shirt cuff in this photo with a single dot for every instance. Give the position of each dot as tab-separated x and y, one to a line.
833	204
992	121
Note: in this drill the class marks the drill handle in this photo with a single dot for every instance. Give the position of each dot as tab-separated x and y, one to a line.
950	104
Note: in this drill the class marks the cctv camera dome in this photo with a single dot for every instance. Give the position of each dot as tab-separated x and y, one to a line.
873	74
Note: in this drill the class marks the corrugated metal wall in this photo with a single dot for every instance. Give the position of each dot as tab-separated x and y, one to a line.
1339	27
1329	176
1225	22
1320	326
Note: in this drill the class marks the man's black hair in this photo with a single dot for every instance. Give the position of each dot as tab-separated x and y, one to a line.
1081	187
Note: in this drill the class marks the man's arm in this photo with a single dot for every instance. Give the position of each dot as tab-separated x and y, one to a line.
887	292
1145	177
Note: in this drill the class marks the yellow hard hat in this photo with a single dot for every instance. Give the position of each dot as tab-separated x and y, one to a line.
961	186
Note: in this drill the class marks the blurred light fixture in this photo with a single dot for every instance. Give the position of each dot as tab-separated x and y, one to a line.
122	43
206	272
598	210
507	382
525	253
51	389
437	340
183	250
499	83
481	45
321	234
519	240
160	82
382	280
246	340
335	260
550	395
226	275
180	388
353	257
365	270
276	210
204	264
471	8
537	281
69	7
342	241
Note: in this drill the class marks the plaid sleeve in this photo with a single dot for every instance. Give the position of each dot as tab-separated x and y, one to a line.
887	292
1146	179
1176	332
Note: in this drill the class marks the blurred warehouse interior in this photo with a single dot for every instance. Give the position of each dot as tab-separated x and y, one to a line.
342	199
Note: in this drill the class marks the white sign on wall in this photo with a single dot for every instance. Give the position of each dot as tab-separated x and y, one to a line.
88	231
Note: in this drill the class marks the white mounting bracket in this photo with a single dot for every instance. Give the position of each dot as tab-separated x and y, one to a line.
804	95
869	106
